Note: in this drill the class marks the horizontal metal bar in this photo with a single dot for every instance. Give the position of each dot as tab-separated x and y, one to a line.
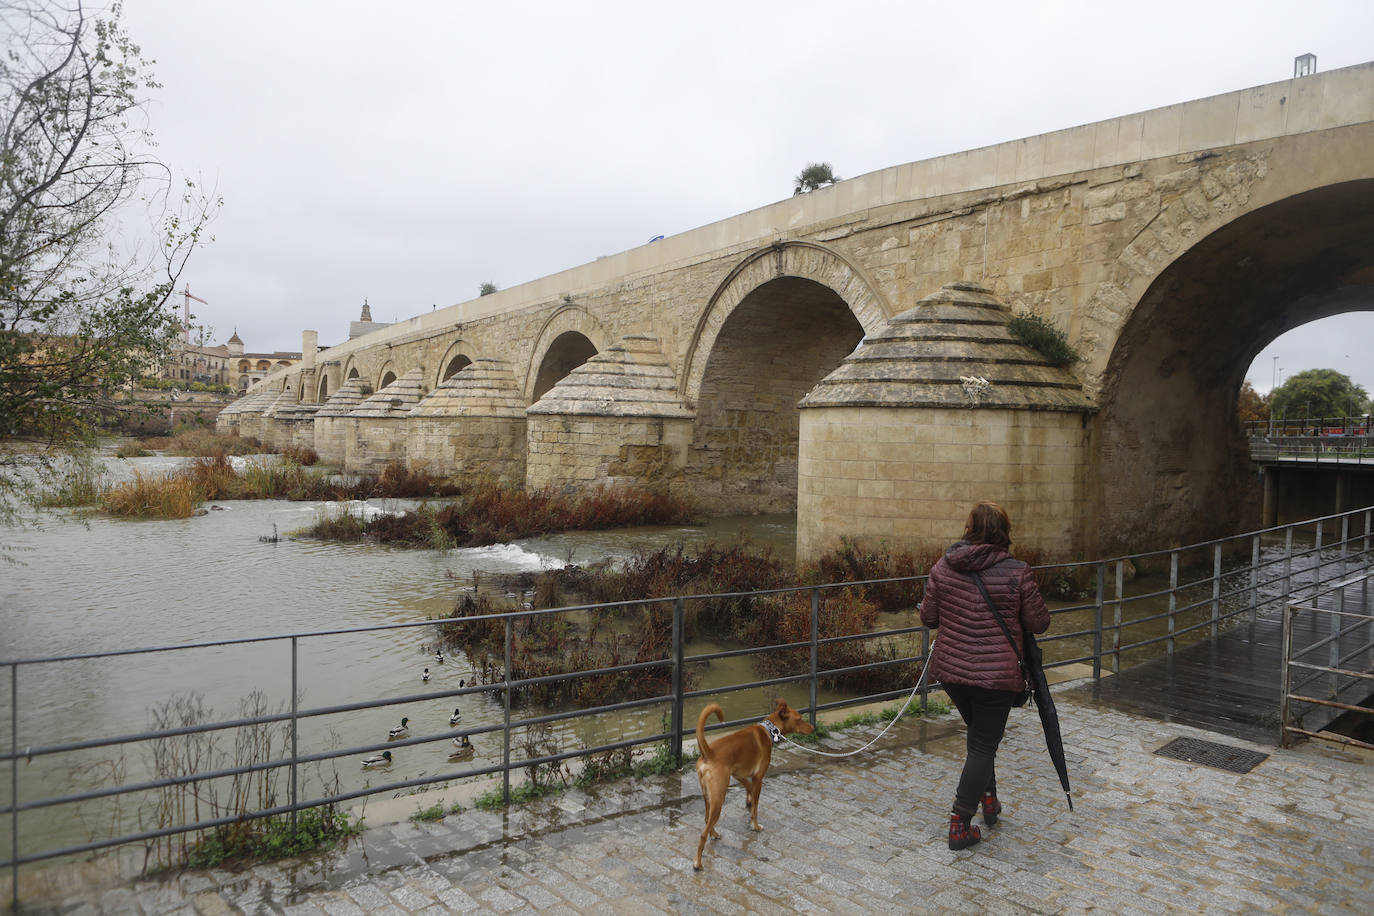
1329	736
1363	710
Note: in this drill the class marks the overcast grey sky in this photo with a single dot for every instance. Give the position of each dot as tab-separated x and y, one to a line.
408	152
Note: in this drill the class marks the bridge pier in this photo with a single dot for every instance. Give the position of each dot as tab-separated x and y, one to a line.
617	420
938	410
474	422
1270	512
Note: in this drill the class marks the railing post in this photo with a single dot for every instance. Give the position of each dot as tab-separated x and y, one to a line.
1097	625
679	626
925	661
1287	564
295	733
1254	577
505	732
1285	673
1173	598
14	787
1216	588
1345	541
815	646
1318	576
1116	616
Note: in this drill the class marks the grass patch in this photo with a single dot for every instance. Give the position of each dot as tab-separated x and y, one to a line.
158	496
272	838
434	812
488	512
932	710
1044	337
82	485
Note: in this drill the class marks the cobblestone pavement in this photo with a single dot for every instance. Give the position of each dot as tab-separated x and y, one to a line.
863	834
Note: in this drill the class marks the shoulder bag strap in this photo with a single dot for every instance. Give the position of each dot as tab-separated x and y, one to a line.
978	581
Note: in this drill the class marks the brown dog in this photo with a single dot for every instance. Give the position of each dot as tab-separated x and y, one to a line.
745	755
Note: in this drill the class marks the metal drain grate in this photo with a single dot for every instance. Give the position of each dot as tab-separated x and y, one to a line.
1209	753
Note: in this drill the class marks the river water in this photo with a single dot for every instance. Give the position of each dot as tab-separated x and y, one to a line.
74	585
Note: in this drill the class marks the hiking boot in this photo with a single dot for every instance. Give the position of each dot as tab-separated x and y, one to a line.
991	808
962	834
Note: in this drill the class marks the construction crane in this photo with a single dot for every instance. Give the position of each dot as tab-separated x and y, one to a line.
186	314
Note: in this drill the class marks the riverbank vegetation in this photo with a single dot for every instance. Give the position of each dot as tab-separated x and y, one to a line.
484	511
627	627
184	794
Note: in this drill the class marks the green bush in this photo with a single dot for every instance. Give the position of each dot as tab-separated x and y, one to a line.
1044	337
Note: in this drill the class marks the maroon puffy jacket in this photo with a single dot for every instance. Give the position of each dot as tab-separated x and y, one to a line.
970	648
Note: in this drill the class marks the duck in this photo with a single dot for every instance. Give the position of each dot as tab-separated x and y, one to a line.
461	683
439	656
457	715
425	676
461	743
399	731
378	760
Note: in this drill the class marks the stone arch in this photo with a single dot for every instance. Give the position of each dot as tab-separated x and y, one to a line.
799	259
1172	463
455	359
568	338
1182	208
323	389
386	375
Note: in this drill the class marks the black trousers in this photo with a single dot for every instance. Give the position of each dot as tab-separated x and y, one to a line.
985	713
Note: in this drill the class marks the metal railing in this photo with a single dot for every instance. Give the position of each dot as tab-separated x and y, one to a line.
1332	672
1311	426
1333	450
1126	608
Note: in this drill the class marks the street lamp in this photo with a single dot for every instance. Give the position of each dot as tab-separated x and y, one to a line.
1273	383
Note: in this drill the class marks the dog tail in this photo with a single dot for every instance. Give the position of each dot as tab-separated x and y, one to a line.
702	747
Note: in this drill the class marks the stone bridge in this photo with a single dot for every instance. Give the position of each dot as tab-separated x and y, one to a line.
846	353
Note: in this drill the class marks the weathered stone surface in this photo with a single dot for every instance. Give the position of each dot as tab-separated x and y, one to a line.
332	419
631	379
473	422
924	356
375	430
1170	244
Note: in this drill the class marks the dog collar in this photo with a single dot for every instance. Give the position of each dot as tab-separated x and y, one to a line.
773	731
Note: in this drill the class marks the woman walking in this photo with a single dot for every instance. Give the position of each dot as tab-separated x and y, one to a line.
973	659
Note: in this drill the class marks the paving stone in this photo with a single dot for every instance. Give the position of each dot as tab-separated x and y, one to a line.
866	835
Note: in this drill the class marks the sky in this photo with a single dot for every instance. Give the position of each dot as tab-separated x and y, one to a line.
406	153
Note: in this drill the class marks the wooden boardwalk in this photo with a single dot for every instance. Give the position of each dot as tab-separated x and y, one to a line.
1231	684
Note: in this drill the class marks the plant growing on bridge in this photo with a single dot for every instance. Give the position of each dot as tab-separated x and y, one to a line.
486	289
1315	393
1044	337
815	175
80	319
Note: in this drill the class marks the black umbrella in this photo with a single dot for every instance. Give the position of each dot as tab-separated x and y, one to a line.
1049	716
1032	666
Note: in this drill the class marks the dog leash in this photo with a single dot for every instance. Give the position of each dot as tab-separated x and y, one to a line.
925	671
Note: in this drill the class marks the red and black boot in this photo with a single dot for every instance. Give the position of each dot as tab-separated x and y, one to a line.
962	834
991	808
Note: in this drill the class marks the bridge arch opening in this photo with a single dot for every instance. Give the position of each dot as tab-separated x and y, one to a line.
454	366
387	378
1172	465
782	338
324	390
568	351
